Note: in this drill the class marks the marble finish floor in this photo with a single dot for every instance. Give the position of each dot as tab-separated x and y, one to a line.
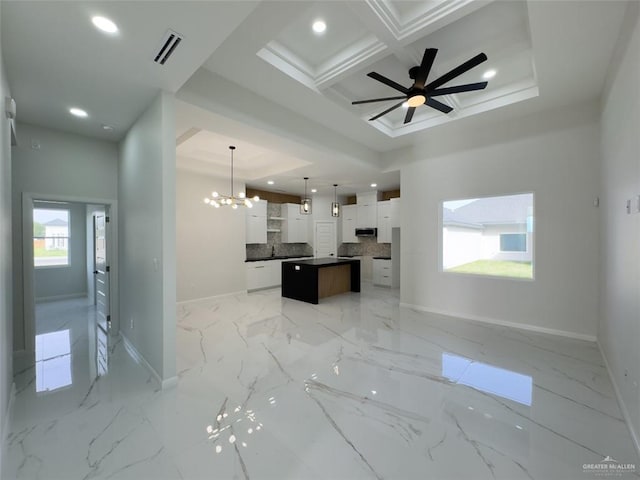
353	388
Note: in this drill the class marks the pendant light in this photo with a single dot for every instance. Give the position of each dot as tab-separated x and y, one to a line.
230	200
335	206
305	204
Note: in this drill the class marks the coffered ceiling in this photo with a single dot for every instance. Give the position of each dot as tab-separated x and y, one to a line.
390	38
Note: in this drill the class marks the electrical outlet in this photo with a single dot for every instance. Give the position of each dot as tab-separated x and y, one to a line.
131	323
628	207
626	374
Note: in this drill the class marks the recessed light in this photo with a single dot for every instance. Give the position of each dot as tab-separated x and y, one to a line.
314	190
78	112
319	26
489	74
108	128
104	24
270	182
373	185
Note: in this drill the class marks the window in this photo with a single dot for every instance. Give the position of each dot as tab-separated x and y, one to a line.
50	237
490	236
513	242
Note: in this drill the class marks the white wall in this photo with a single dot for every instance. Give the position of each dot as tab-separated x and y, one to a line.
6	299
71	280
210	245
147	255
65	165
619	328
555	155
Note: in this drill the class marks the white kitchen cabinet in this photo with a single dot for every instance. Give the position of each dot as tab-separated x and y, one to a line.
276	272
396	204
382	272
384	222
295	225
349	216
256	220
266	273
367	209
258	275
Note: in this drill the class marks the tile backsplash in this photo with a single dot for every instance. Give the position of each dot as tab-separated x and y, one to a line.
368	246
274	239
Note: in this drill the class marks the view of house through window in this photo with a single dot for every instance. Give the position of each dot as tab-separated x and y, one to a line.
50	237
489	236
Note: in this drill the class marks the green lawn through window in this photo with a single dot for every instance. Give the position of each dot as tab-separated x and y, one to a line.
496	268
42	252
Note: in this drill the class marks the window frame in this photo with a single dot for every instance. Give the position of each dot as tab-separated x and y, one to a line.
38	206
530	243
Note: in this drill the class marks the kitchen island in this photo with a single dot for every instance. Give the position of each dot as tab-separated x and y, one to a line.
313	279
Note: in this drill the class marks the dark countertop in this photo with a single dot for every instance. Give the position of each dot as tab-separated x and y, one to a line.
277	257
324	262
382	258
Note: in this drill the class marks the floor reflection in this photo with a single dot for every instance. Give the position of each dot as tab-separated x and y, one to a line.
53	361
487	378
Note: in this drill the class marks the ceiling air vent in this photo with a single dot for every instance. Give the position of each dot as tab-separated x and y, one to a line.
169	43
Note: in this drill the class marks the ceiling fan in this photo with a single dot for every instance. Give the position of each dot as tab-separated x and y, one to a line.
421	94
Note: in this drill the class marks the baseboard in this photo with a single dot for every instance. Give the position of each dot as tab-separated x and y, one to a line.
635	437
61	297
213	297
139	358
504	323
170	383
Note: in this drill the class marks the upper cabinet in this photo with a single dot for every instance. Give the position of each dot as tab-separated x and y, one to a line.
384	222
395	212
295	224
257	222
349	216
367	209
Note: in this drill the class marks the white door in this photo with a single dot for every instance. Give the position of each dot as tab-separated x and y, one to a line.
101	271
326	241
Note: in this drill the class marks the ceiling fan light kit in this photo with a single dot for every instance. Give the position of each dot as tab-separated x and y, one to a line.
421	93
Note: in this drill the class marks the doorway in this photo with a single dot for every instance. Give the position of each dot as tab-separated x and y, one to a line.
79	241
326	243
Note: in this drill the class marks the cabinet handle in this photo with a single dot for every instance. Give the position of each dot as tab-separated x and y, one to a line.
260	267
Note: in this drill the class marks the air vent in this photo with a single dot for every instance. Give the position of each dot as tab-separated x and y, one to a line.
169	43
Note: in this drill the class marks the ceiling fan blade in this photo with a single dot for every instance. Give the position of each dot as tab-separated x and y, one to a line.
459	70
359	102
458	89
409	115
425	66
438	105
386	111
388	82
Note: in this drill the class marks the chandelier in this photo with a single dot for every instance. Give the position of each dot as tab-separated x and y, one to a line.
230	200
